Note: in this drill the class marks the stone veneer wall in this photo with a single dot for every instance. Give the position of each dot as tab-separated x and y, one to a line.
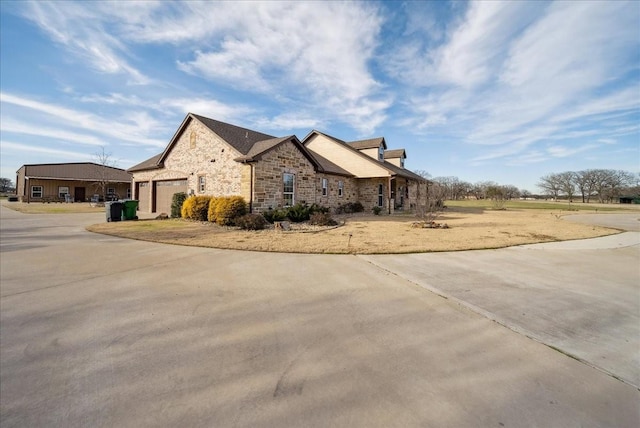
332	199
268	177
368	193
210	157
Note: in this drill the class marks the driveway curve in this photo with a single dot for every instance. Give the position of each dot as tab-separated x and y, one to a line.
103	331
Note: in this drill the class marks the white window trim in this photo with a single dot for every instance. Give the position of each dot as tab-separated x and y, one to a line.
62	194
33	191
293	188
111	190
340	188
202	183
325	187
380	195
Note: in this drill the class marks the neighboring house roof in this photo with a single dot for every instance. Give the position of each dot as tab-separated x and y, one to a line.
396	153
371	143
80	171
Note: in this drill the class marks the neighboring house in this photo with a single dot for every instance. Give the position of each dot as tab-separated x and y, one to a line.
208	157
80	181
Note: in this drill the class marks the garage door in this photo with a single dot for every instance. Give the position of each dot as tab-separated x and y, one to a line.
164	193
144	196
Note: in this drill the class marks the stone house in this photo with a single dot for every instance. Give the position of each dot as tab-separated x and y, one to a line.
208	157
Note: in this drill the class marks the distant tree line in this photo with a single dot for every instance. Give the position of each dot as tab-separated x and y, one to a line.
604	184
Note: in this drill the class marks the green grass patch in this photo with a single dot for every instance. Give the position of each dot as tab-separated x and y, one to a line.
533	205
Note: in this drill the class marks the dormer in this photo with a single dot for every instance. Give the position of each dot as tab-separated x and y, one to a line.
374	147
396	157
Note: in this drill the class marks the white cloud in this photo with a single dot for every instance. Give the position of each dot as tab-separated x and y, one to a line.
515	75
84	32
135	127
18	127
63	154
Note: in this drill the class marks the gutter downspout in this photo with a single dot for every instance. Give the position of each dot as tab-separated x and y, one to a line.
390	178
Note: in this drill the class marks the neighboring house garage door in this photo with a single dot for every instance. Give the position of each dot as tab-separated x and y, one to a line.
164	193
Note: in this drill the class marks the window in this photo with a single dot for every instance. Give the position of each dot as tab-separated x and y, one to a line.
63	191
202	183
380	195
129	193
381	153
111	191
402	161
288	190
340	188
36	191
325	187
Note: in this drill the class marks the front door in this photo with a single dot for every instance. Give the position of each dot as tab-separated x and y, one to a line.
78	194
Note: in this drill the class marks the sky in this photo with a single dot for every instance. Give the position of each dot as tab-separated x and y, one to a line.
500	91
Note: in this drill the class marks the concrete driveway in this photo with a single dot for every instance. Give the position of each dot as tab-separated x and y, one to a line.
101	331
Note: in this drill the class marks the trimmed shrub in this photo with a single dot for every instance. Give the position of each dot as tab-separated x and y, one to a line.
212	215
298	213
275	215
376	210
196	208
228	209
176	204
315	208
350	207
322	219
251	222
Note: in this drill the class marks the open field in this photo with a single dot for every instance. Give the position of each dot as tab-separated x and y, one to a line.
469	228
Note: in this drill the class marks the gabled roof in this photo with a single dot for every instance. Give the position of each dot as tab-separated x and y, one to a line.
394	170
241	139
327	166
81	171
151	163
371	143
396	153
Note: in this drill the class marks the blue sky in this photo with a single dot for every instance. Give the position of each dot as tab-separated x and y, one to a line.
501	91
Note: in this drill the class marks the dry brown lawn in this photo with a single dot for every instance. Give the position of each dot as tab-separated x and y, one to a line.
469	228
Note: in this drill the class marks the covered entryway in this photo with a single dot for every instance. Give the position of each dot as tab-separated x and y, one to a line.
164	190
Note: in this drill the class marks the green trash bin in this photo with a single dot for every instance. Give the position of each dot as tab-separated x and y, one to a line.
129	210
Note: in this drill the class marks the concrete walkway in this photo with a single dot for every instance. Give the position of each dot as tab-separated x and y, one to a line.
102	331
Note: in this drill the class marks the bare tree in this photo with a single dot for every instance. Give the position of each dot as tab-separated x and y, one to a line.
497	196
585	182
550	184
567	183
104	161
511	191
6	185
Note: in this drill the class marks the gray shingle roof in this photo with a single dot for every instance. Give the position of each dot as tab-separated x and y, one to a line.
396	153
371	143
82	171
151	163
241	139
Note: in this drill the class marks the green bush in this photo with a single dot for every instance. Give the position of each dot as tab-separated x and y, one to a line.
275	215
196	208
322	219
251	222
176	204
376	210
350	207
229	208
299	213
